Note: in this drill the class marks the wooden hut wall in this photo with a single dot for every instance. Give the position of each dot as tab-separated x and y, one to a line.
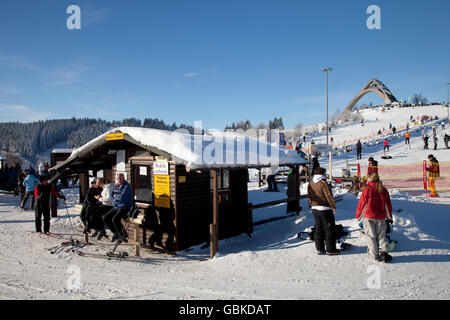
233	216
194	206
159	224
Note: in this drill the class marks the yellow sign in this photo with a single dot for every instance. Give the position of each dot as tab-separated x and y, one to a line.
114	136
162	191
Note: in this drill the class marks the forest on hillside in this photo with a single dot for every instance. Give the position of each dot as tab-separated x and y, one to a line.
30	139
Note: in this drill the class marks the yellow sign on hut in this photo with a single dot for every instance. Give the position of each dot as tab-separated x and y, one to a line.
115	136
162	191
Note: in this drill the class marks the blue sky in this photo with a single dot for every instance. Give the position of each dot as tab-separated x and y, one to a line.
216	61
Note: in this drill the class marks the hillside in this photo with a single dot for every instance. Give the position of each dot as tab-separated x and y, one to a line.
34	141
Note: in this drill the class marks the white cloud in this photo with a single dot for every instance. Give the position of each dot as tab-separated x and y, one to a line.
12	113
191	74
17	62
9	91
67	76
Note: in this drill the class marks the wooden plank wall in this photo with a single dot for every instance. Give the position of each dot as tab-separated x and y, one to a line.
194	206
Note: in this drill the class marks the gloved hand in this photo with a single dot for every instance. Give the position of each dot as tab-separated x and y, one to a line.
63	197
389	221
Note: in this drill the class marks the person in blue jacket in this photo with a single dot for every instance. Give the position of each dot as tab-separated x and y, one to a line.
123	201
30	182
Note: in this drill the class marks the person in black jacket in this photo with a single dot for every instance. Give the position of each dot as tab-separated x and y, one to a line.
358	149
42	205
93	208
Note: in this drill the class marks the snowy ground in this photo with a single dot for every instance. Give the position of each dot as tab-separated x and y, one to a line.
272	264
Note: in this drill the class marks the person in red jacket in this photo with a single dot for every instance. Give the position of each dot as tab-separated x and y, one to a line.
386	144
374	208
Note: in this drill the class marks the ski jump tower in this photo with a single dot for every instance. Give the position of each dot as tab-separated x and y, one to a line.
374	85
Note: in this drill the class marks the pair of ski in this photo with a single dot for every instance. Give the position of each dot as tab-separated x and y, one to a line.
70	244
123	256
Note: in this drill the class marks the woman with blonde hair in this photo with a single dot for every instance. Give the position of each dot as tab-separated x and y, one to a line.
374	208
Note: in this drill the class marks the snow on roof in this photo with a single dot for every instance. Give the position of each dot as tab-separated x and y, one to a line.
217	149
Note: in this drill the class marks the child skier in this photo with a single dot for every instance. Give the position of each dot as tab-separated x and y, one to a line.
374	208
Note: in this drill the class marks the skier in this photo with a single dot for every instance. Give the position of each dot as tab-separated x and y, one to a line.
298	146
386	145
323	206
425	140
42	205
358	149
373	166
30	182
374	208
407	136
434	173
435	141
446	139
123	200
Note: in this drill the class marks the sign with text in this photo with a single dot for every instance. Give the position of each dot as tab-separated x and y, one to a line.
162	191
115	136
160	167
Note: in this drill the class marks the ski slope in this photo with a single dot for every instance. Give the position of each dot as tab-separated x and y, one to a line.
374	120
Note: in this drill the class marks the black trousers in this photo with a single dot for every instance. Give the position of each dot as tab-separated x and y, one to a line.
112	221
324	233
42	209
272	183
94	217
358	154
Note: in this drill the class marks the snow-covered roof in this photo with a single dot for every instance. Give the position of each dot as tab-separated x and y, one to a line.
213	150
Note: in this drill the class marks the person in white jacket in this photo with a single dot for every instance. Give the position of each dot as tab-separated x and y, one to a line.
271	182
106	198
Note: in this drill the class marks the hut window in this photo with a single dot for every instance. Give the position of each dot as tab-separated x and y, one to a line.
223	179
226	179
142	182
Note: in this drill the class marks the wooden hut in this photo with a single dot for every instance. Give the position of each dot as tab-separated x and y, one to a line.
183	182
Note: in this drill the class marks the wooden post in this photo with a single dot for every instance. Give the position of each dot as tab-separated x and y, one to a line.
136	242
212	243
331	171
259	178
297	190
86	237
250	219
215	234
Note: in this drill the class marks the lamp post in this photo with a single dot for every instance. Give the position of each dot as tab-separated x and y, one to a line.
326	70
